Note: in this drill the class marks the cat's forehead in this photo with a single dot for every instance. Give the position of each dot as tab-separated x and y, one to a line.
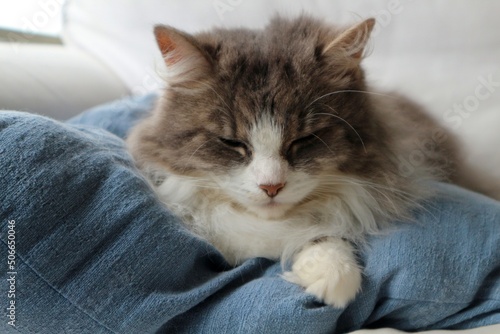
248	53
278	72
268	80
264	125
266	135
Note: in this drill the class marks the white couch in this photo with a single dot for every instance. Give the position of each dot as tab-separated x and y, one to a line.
54	80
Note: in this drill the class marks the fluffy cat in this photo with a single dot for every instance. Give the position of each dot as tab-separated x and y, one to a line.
268	143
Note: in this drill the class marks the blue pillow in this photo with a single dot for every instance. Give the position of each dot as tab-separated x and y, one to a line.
94	250
118	116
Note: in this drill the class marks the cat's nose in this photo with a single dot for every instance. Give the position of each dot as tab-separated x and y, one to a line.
272	189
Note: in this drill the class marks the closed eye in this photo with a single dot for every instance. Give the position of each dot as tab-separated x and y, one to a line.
237	145
303	141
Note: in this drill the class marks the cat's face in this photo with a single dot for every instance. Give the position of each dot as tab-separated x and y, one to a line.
268	118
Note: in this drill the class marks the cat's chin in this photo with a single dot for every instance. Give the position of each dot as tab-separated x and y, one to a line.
272	210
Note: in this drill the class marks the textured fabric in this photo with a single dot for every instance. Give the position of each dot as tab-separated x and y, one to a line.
118	116
96	252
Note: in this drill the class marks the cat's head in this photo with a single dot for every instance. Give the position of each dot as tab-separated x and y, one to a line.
272	115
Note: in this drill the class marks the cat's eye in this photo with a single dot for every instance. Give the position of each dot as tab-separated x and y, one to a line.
237	145
303	141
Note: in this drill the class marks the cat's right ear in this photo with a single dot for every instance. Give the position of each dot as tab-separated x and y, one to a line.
350	44
186	63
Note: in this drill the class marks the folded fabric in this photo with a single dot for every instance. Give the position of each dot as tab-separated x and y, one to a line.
96	252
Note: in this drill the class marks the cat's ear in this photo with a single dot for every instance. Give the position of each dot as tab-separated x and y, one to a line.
351	43
185	61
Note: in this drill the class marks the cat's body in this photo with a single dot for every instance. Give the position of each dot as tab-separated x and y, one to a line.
269	144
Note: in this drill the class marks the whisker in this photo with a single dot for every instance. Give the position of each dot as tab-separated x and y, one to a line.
350	91
194	152
402	195
342	180
217	94
346	122
323	143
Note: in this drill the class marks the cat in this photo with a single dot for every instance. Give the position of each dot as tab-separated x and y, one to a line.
269	143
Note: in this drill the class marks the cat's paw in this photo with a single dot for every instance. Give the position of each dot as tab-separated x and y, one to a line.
328	270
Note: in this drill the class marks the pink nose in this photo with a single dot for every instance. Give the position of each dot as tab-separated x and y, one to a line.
272	189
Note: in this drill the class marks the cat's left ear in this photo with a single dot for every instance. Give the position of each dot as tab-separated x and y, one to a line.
351	43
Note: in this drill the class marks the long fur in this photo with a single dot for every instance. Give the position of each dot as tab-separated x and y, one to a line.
286	107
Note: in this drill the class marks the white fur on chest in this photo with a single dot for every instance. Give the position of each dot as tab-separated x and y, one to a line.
242	221
239	234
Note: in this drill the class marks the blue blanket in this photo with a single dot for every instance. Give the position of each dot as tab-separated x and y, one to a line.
88	248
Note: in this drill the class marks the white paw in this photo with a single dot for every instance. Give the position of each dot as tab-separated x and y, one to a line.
328	270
